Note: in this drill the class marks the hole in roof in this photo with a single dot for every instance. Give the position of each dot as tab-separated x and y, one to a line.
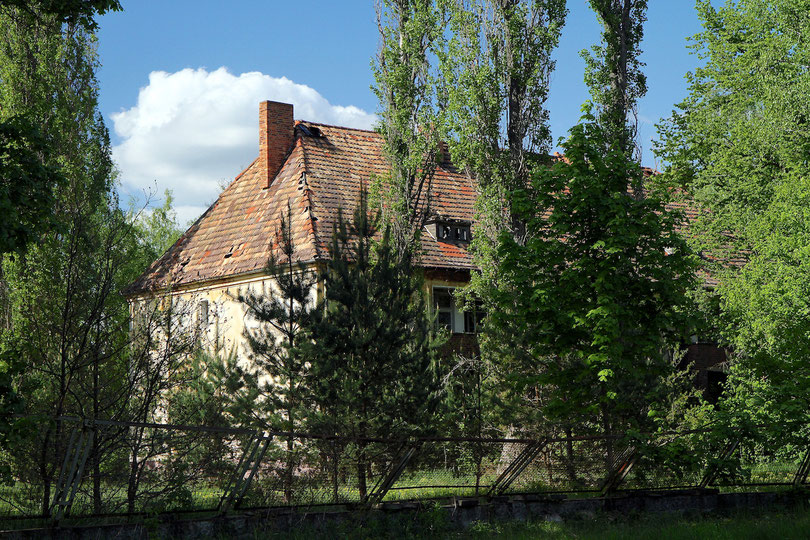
310	131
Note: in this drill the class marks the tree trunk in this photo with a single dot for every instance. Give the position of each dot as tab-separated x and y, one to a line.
132	483
361	471
609	443
569	456
335	472
288	472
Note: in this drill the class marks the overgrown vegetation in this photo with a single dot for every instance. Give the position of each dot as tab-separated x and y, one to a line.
589	282
787	524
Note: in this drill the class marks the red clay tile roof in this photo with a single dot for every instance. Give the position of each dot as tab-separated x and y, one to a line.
321	174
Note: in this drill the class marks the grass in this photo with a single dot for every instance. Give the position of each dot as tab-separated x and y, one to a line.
776	524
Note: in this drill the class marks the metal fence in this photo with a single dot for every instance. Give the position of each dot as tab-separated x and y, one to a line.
98	469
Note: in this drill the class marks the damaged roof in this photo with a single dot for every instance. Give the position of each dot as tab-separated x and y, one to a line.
323	172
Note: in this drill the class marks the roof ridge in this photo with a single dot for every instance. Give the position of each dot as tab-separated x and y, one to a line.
311	122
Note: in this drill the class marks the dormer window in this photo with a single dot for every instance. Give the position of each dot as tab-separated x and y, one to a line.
449	230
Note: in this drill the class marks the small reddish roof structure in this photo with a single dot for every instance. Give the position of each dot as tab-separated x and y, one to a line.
323	169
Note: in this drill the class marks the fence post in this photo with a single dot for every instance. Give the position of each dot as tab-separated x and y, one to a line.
516	467
385	483
70	475
802	472
713	469
621	468
250	460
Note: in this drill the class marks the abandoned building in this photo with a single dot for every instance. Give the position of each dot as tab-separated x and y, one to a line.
318	169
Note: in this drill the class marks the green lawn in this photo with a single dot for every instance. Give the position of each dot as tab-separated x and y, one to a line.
783	524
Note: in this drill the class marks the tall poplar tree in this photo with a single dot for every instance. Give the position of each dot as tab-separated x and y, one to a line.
406	88
614	71
496	65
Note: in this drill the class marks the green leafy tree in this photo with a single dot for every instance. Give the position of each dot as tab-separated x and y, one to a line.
27	182
68	324
605	278
738	145
496	64
156	230
372	348
68	12
603	275
405	86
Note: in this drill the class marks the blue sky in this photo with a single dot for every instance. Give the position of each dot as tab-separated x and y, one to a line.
181	80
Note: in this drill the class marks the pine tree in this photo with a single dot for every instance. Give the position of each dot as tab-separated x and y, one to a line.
268	388
372	347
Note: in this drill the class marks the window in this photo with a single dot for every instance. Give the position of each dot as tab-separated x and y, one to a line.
463	234
446	230
445	305
448	314
473	320
203	315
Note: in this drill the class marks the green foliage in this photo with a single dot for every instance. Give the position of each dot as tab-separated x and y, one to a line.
67	326
157	230
604	279
613	69
268	388
372	350
406	89
496	66
26	185
69	12
738	145
495	61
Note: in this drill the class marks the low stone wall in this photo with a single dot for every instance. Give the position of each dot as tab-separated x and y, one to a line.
461	512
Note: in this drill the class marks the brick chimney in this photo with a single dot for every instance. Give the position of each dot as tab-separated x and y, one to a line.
276	137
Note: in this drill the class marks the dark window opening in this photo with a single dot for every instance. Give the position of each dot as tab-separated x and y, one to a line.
474	318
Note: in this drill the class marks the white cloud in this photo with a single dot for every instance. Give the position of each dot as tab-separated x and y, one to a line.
193	130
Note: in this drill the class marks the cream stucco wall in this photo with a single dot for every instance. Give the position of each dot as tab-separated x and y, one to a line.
228	318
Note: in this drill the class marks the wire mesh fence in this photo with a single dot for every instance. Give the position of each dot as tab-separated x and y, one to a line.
76	468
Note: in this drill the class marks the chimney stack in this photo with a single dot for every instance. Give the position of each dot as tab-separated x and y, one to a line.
276	137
